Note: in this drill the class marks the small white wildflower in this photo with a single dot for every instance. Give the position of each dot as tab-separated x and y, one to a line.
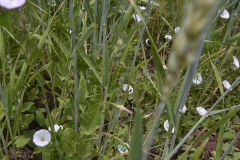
197	79
142	7
130	88
52	3
56	127
201	111
136	17
169	37
183	110
123	148
42	137
147	42
11	4
226	84
225	14
235	62
166	126
177	29
164	67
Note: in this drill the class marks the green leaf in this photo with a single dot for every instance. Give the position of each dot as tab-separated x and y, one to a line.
82	89
196	155
218	77
27	106
90	120
40	117
21	141
32	51
91	66
1	111
6	21
26	120
136	142
219	143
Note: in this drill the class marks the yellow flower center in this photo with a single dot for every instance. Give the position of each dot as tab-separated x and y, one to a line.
42	139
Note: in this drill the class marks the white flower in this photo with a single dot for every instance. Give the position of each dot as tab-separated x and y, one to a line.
11	4
123	148
169	37
56	127
142	7
177	29
183	110
166	126
147	42
42	137
201	111
226	84
235	62
164	67
130	88
136	17
197	79
225	14
52	3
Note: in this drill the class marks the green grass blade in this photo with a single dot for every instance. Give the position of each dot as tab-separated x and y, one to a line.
136	142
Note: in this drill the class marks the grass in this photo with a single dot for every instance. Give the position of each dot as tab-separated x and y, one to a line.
67	64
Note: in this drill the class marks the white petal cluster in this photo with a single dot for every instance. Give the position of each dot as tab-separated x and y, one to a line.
201	111
136	17
225	14
129	87
123	148
142	7
166	126
197	79
164	67
11	4
169	37
42	137
177	29
147	42
183	110
235	62
226	84
56	128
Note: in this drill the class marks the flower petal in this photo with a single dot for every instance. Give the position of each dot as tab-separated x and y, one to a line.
11	4
225	14
147	42
130	88
183	110
166	126
235	62
42	137
123	148
136	17
177	29
142	7
226	84
201	111
197	79
169	37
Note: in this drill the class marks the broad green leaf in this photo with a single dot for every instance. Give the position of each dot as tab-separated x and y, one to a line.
26	120
27	106
21	141
90	120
